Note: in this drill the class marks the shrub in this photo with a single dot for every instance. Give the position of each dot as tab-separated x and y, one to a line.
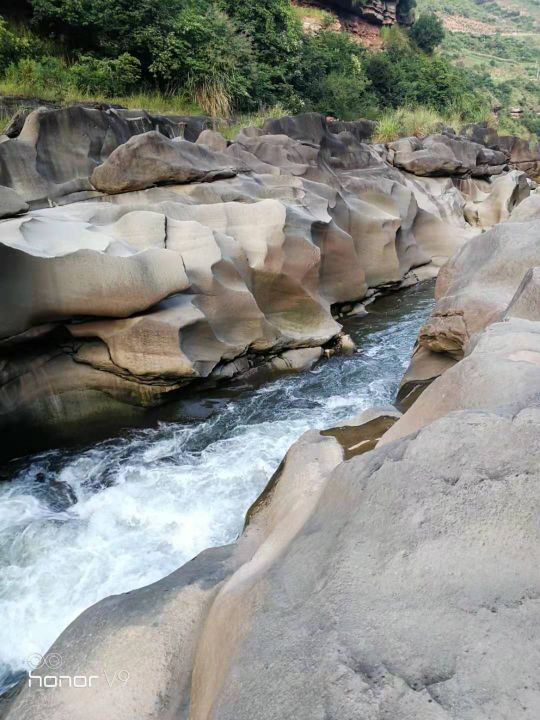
10	46
48	75
109	77
427	32
205	54
330	76
107	27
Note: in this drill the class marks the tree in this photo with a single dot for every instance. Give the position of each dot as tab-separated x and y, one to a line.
330	76
427	32
204	53
276	36
107	27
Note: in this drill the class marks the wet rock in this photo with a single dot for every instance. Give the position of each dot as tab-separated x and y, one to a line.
425	366
360	435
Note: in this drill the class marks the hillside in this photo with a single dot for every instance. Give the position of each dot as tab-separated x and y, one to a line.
501	39
230	58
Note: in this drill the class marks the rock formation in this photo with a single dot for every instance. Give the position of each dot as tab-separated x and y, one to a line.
488	280
395	582
391	567
379	12
205	261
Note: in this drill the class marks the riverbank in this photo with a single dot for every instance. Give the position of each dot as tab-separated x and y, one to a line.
181	262
131	510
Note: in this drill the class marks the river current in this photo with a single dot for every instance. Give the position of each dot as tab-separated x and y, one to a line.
82	523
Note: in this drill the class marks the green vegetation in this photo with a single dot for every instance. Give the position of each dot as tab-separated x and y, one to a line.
427	32
419	121
509	69
502	15
224	57
498	41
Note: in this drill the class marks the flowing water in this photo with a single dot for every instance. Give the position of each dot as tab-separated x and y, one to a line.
80	524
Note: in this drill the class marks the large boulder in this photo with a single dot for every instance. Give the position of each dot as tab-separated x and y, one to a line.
445	155
152	159
500	369
314	127
55	152
476	285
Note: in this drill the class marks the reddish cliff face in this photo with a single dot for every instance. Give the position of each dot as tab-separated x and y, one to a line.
378	12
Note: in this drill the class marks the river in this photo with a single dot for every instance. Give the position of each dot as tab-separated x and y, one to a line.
82	523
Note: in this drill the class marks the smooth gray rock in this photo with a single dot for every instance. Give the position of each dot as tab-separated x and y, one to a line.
11	203
526	302
399	584
445	155
477	284
56	150
152	159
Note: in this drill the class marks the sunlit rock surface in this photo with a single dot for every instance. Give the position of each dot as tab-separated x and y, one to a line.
119	301
395	581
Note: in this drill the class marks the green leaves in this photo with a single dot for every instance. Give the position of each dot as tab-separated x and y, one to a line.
427	32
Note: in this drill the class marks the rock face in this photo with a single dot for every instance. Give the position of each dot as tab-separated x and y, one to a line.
476	286
380	12
505	194
446	155
390	569
502	369
116	304
520	153
11	203
56	151
492	279
400	583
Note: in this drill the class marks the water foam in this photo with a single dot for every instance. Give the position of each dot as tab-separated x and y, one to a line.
76	526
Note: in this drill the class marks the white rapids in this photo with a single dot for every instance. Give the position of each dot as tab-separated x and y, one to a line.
78	525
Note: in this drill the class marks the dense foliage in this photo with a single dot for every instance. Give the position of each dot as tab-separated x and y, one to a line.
427	32
227	55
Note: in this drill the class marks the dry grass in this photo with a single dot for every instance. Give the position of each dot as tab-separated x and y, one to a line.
256	119
154	102
415	122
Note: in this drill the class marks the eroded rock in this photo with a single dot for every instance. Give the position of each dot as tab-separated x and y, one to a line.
445	155
329	601
152	159
476	286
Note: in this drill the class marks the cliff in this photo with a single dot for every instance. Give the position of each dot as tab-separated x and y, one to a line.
379	12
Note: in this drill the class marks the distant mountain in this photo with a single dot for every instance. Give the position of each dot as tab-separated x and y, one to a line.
498	37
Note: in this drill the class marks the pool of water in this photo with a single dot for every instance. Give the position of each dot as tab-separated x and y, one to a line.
79	524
